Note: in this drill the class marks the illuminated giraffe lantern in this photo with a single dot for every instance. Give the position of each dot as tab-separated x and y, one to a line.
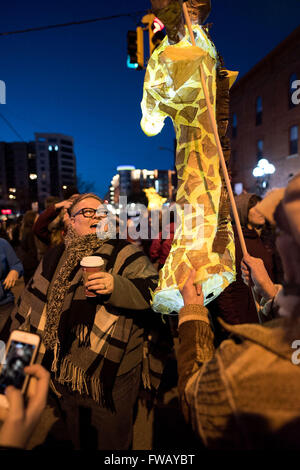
172	88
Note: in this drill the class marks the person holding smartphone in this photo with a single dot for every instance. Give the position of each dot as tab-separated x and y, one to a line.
20	419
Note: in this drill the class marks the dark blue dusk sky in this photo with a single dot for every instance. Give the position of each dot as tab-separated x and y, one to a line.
74	80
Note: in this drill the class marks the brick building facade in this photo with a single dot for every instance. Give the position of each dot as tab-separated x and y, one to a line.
265	116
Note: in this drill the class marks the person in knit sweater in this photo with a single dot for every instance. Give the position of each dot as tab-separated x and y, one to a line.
246	393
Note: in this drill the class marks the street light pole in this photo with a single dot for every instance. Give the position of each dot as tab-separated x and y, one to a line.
262	172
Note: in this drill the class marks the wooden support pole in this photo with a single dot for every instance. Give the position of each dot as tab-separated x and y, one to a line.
218	144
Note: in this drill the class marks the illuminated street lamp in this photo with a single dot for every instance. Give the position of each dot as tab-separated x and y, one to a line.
262	172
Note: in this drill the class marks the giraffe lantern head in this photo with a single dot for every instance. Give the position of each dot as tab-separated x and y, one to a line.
170	13
199	10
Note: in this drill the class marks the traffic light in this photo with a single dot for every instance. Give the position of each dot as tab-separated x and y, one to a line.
132	49
135	49
140	46
155	30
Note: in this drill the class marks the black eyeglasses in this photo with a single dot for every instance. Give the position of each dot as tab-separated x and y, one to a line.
89	213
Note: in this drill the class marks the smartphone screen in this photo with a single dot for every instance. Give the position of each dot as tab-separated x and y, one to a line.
18	356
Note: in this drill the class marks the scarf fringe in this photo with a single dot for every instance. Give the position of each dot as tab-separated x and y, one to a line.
145	369
79	382
56	356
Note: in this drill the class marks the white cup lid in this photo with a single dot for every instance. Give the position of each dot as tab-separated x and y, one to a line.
91	261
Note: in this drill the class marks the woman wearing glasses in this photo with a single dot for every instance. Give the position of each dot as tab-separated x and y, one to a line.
93	346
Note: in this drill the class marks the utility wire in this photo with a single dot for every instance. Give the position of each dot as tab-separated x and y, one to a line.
71	23
12	128
60	25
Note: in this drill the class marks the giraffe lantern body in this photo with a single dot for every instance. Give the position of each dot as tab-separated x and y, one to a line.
172	88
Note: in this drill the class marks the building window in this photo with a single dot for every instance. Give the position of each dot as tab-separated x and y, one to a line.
259	111
67	164
293	140
234	125
292	89
66	149
259	149
66	157
66	142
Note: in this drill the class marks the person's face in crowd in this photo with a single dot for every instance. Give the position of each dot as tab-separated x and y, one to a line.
255	218
85	225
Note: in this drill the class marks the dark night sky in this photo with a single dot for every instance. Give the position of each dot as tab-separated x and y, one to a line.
75	81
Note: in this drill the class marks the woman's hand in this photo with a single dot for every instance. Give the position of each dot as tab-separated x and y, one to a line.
66	204
21	420
101	283
192	292
11	279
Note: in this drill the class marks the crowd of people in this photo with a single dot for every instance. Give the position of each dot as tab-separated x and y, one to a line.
237	374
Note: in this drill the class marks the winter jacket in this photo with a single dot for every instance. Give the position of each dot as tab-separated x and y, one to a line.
160	247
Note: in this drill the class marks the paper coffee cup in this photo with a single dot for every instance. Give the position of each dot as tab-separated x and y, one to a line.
89	265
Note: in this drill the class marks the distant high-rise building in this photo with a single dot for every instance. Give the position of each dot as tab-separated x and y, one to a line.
31	171
125	172
18	175
56	164
129	181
